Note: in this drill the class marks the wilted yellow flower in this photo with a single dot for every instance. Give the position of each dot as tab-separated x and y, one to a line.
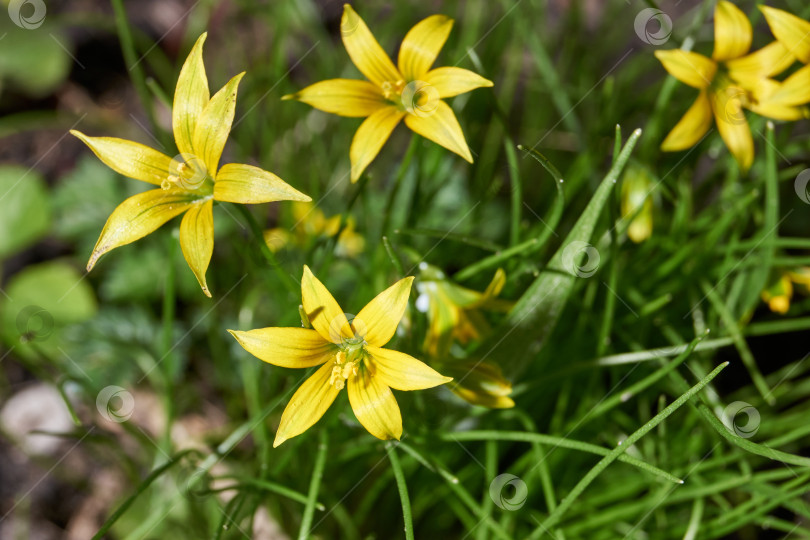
191	181
729	82
310	222
779	295
453	311
350	354
410	90
637	203
479	383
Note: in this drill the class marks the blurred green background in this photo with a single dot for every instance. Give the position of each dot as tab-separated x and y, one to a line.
107	377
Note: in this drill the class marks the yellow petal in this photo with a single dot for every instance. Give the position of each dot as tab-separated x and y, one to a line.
440	126
727	105
322	310
308	404
732	32
378	321
403	372
138	216
190	98
778	111
692	127
422	44
214	125
375	406
795	90
131	159
286	347
370	138
480	383
496	285
688	67
346	97
197	239
792	31
364	50
768	61
246	184
277	238
773	99
452	81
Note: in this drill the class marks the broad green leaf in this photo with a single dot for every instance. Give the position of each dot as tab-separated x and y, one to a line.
25	212
41	300
535	314
35	61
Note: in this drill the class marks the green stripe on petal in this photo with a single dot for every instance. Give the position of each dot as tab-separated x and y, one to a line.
197	239
345	97
246	184
404	372
214	125
440	126
370	138
378	320
364	50
322	310
138	216
452	81
422	45
129	158
732	32
190	98
308	404
286	347
692	127
374	406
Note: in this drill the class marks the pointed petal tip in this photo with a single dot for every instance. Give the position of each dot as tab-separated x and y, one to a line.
207	292
278	440
94	257
288	97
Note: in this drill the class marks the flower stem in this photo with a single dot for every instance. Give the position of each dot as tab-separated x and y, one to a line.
133	63
314	486
256	228
170	366
392	196
396	467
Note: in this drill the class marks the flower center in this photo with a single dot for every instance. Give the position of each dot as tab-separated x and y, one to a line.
392	89
188	172
349	358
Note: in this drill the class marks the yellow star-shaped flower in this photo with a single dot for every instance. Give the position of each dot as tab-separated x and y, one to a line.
729	82
191	181
411	91
350	355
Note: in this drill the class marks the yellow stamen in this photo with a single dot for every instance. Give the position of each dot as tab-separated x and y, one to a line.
392	89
